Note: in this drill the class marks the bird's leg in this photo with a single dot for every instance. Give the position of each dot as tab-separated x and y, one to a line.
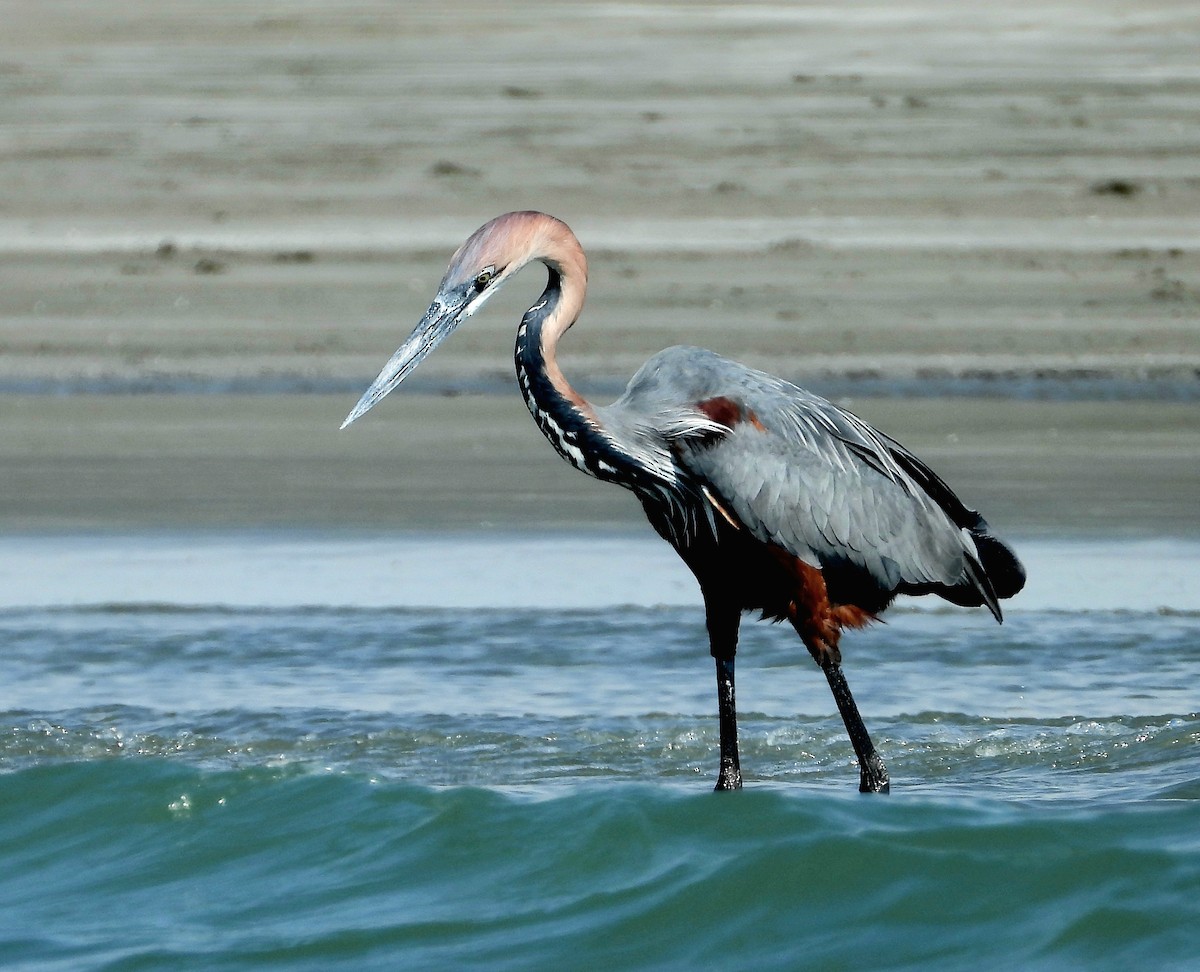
873	777
723	620
730	775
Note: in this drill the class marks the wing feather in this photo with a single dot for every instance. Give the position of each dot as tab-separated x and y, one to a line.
817	498
810	477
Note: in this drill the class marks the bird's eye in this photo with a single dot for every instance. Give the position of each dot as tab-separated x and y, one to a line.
484	278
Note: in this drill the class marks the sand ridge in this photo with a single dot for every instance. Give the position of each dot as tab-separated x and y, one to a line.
905	199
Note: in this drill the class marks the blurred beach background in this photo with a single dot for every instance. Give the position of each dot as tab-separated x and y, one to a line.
220	219
976	226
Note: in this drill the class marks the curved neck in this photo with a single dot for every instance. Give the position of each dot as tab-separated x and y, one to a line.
565	417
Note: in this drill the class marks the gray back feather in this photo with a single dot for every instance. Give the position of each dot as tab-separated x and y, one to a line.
814	479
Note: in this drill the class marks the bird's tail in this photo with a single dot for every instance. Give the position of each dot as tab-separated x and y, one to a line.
1005	572
995	574
992	574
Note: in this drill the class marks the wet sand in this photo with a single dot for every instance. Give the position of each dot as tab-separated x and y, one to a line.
476	461
871	199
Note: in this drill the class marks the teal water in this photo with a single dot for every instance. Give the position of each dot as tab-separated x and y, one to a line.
154	864
316	787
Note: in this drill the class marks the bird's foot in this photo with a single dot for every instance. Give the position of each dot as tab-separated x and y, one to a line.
873	775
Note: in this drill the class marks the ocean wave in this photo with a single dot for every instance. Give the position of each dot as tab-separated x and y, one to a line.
1057	759
155	864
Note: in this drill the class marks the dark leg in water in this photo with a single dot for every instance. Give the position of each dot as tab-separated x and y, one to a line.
873	777
730	777
723	619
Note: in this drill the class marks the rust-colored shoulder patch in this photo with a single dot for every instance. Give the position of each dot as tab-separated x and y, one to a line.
729	413
721	409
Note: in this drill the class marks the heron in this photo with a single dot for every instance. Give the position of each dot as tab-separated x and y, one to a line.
778	501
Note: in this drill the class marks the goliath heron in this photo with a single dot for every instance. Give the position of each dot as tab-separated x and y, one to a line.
776	499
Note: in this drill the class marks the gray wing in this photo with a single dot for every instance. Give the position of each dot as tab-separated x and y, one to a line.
802	473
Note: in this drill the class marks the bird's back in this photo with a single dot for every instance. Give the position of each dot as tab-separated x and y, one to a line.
804	475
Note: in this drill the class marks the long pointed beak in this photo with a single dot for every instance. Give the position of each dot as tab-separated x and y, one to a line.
434	328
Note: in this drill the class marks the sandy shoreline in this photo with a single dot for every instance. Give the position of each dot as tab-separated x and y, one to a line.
477	462
212	192
1028	323
907	199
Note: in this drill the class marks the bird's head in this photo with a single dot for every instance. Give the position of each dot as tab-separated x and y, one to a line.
479	268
